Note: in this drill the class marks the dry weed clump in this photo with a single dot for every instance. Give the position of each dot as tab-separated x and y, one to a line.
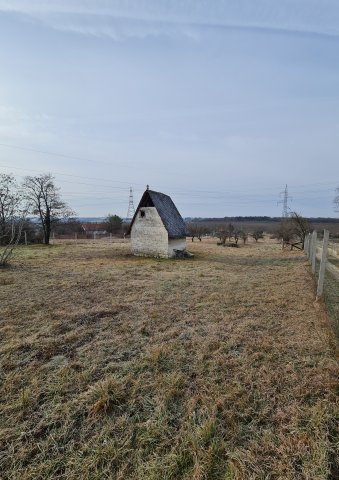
116	367
104	395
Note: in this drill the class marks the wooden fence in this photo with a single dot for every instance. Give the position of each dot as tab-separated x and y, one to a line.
324	253
75	237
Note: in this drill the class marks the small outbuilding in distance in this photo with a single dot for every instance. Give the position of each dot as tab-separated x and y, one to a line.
157	228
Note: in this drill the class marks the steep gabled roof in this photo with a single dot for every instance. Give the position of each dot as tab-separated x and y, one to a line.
168	213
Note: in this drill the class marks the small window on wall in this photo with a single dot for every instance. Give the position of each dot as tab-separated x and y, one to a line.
142	213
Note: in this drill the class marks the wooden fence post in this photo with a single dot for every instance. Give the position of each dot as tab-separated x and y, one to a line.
309	246
323	264
76	237
25	233
314	250
306	244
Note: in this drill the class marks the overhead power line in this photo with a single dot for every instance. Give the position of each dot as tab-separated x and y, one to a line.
54	154
191	193
172	188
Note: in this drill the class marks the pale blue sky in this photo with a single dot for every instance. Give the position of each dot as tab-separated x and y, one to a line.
217	103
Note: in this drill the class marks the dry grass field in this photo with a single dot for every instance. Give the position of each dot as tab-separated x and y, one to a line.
116	367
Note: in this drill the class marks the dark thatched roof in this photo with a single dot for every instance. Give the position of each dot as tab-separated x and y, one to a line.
168	212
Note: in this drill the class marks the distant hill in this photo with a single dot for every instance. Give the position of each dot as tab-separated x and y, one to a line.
91	219
267	224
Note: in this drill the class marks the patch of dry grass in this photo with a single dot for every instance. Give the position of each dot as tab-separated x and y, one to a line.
120	367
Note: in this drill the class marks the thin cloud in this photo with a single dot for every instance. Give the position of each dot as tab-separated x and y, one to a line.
118	20
121	29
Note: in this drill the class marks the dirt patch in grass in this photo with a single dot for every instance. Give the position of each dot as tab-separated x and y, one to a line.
113	366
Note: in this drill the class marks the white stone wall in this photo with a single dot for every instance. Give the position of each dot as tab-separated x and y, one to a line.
177	244
149	237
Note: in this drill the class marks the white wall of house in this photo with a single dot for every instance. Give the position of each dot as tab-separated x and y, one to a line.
176	244
149	236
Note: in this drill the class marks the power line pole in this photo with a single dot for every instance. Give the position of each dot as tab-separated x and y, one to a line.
284	202
131	209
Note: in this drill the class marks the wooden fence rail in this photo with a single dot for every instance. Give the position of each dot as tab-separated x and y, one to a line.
322	252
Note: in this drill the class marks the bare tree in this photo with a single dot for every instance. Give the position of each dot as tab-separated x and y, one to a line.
44	200
293	230
243	235
301	227
12	217
257	234
9	206
222	234
228	232
196	230
10	243
284	231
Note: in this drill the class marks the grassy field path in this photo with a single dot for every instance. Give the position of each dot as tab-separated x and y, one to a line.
117	367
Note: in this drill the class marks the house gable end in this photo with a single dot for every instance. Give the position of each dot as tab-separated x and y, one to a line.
167	210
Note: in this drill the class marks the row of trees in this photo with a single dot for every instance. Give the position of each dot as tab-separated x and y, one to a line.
225	232
292	229
36	195
40	197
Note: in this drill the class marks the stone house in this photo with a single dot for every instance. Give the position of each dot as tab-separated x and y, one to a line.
157	228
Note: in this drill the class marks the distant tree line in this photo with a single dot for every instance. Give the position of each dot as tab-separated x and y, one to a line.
235	219
263	219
